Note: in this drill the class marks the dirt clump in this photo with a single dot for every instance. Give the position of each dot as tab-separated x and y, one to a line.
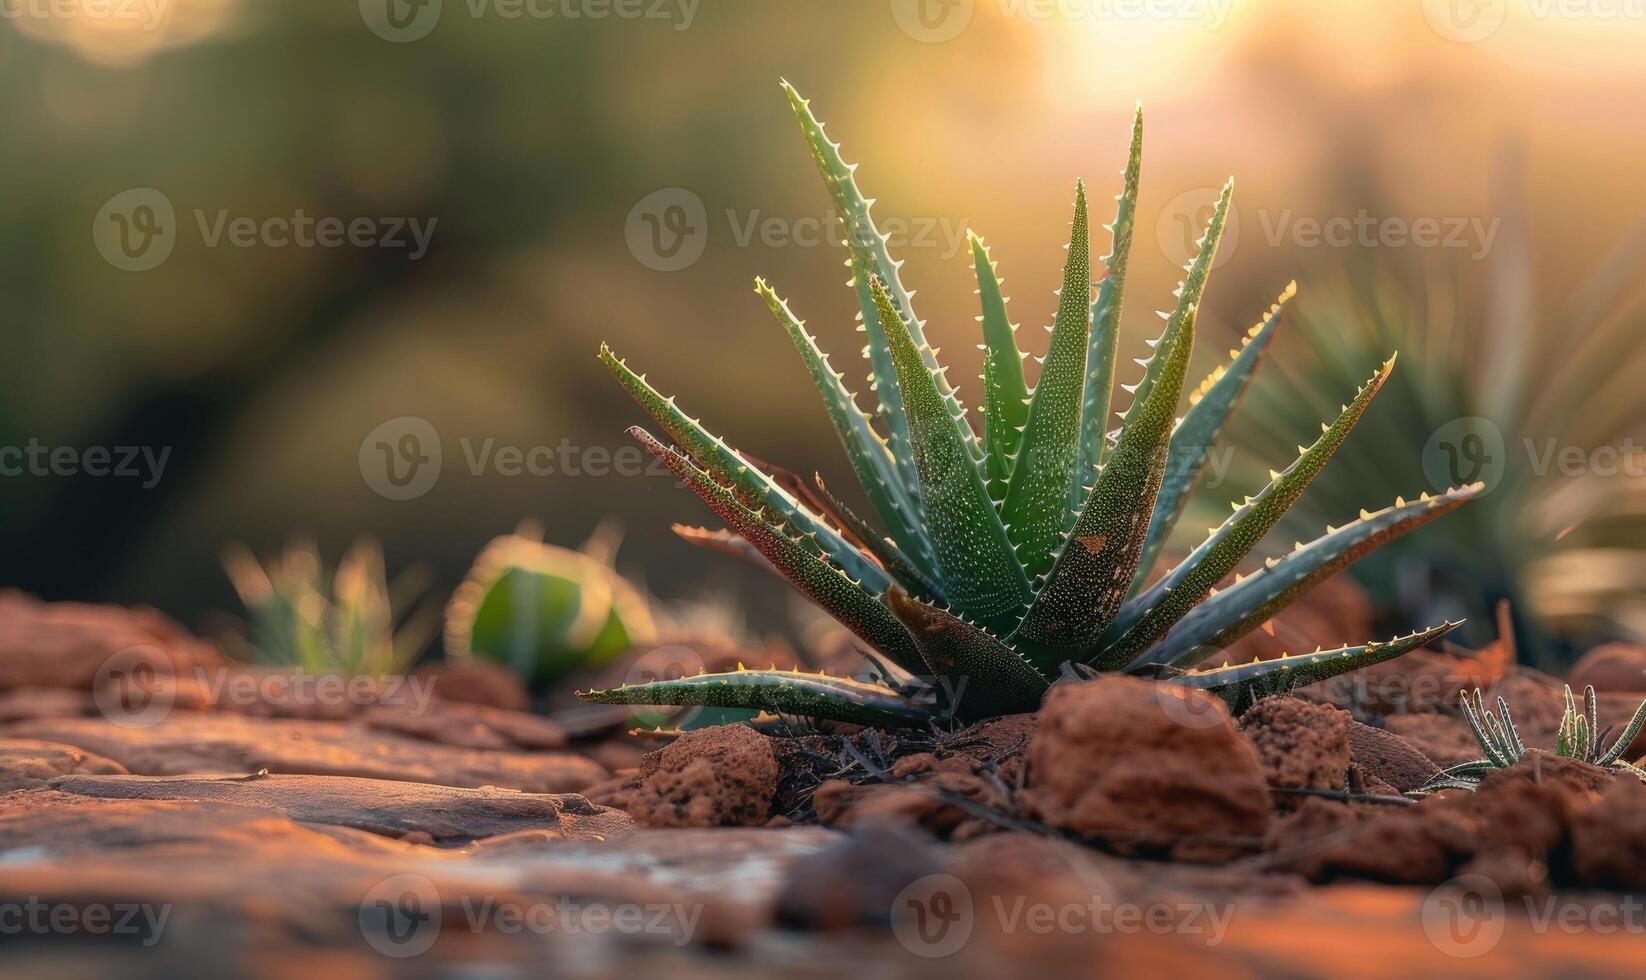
725	776
1301	745
1611	667
1609	838
1384	762
1146	768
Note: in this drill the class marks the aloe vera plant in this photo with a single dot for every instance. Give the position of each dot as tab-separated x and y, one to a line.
1010	556
1579	737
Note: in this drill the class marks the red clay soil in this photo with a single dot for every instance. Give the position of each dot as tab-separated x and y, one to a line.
718	777
1068	811
1146	768
1301	745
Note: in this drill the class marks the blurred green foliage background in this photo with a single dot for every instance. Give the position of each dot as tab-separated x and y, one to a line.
529	141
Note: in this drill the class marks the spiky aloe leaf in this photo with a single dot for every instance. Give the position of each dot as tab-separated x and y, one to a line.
753	486
885	550
1188	296
983	678
777	691
1194	437
1094	567
725	541
1254	599
870	459
1243	685
846	600
1147	617
870	256
976	564
1005	393
1622	742
1037	496
1100	356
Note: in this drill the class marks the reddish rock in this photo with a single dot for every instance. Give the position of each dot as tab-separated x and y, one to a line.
476	681
724	776
1384	759
188	743
25	763
1301	745
67	644
1146	767
469	725
855	881
1611	667
1445	739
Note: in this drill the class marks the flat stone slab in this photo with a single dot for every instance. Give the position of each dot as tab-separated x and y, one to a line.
191	742
442	814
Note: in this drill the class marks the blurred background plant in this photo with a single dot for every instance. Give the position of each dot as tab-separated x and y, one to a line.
547	612
1539	398
534	143
349	620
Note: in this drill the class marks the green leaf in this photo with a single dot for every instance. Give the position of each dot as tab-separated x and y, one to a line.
976	563
886	551
1243	685
1622	742
1188	296
1037	499
1147	617
1100	358
983	678
779	692
1254	599
870	459
846	600
1005	393
1095	564
753	486
870	256
1196	435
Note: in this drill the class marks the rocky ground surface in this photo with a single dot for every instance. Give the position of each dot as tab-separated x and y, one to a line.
166	813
